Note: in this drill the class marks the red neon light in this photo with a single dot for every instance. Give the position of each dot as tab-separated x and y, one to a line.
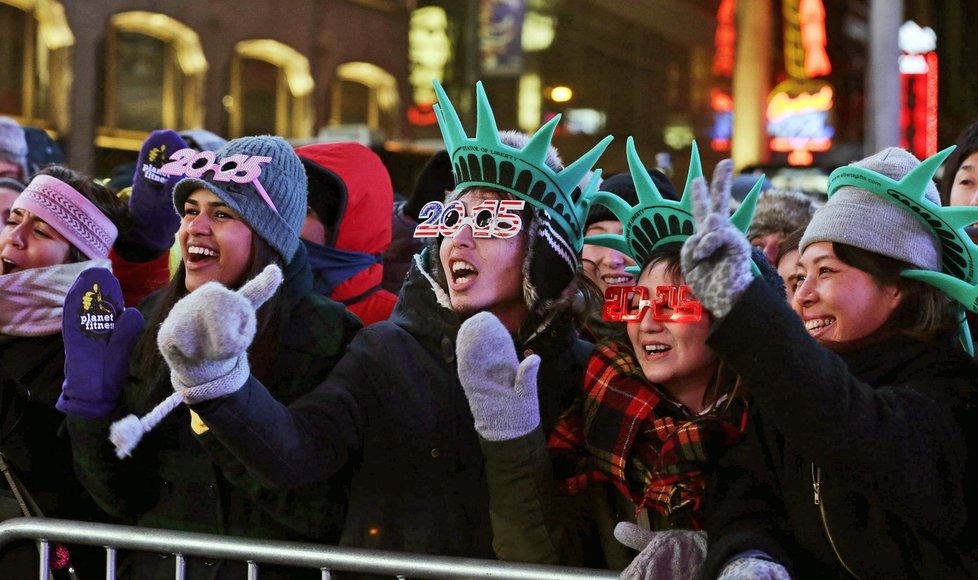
720	101
922	118
811	15
725	39
421	115
931	144
904	112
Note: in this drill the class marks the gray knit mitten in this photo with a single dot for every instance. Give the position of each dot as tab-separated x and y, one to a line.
665	555
206	335
755	569
205	340
716	259
502	392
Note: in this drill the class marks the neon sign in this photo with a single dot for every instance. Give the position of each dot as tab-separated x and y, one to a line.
722	105
918	90
799	109
798	120
725	41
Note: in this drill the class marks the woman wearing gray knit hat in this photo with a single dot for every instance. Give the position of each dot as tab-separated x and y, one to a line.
860	456
241	210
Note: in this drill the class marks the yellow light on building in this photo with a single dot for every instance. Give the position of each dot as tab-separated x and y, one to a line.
561	94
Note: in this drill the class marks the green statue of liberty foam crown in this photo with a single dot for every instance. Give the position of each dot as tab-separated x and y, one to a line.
484	160
655	221
528	168
957	276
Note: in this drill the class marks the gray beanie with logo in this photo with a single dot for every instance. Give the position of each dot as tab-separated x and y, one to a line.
13	146
860	218
283	179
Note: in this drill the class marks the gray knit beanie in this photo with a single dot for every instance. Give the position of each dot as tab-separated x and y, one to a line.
860	218
781	211
13	146
283	179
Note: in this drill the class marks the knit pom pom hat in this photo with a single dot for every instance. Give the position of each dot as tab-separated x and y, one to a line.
272	203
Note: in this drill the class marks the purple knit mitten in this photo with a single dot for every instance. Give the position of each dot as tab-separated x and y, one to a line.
155	221
99	335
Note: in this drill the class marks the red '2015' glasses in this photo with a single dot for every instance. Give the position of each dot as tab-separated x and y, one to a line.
671	304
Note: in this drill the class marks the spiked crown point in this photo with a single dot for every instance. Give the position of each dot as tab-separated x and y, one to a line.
485	161
655	221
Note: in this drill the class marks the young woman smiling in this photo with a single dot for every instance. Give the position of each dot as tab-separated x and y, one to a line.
859	460
232	234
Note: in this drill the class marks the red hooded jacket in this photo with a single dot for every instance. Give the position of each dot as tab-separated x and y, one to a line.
350	189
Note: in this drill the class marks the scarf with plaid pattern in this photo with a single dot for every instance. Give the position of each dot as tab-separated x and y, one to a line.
654	450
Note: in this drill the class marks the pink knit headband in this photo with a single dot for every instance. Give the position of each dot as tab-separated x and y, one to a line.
70	214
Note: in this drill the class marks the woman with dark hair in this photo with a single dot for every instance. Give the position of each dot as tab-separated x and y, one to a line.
60	225
239	222
858	459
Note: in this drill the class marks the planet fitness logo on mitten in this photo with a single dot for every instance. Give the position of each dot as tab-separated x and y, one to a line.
151	170
98	316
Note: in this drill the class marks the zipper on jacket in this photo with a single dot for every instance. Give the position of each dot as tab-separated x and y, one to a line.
816	486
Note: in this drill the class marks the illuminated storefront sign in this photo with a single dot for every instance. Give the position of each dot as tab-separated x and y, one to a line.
798	120
799	108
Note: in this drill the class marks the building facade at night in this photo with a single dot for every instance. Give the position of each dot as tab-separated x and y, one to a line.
99	76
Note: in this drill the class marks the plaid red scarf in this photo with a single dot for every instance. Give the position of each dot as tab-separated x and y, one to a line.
652	449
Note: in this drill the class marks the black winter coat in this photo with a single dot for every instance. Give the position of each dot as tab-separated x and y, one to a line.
870	453
393	411
35	443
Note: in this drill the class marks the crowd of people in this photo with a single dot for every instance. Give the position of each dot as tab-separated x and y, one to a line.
522	360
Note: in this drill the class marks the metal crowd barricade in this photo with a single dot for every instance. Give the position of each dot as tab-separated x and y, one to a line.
257	551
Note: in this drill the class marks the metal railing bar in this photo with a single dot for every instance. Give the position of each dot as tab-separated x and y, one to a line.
284	553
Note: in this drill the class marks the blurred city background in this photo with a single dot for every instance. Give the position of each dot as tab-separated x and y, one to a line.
793	87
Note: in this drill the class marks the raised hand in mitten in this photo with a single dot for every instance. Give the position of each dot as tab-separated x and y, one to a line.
206	335
99	335
753	568
204	340
502	391
716	260
665	555
155	221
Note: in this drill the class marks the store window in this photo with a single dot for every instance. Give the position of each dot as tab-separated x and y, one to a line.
365	94
35	57
271	91
154	76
